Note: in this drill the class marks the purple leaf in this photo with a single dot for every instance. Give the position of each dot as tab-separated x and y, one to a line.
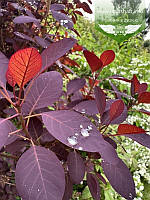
46	90
42	42
23	36
17	6
93	185
63	19
143	138
16	146
99	176
115	89
120	178
37	23
35	128
77	131
77	96
57	7
73	104
55	51
76	167
39	175
100	99
3	68
105	119
110	141
25	19
75	85
88	107
68	189
6	127
120	78
46	137
60	150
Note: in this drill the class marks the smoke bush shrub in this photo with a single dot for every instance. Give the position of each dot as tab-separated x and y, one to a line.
51	132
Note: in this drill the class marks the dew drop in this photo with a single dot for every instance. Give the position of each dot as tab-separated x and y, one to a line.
72	140
89	127
84	132
80	148
83	111
81	126
130	195
76	134
38	190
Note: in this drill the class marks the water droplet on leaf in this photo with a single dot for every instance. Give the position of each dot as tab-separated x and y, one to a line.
81	126
130	195
80	148
72	140
83	111
84	132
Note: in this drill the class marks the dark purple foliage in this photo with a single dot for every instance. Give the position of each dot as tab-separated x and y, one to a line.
57	7
54	129
16	147
55	51
120	178
63	19
6	127
24	19
35	128
46	90
39	175
23	36
3	68
93	185
143	139
78	132
100	99
76	167
118	95
42	42
88	107
68	188
75	85
105	119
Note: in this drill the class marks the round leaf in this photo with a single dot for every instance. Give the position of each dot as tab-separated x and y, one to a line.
39	175
24	65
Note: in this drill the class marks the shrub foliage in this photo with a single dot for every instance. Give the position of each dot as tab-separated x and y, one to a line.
52	126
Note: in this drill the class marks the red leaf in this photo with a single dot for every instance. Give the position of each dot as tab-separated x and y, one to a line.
135	84
144	97
116	109
95	82
90	1
143	87
86	7
24	65
129	129
68	61
94	62
78	12
10	79
107	57
136	87
77	47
